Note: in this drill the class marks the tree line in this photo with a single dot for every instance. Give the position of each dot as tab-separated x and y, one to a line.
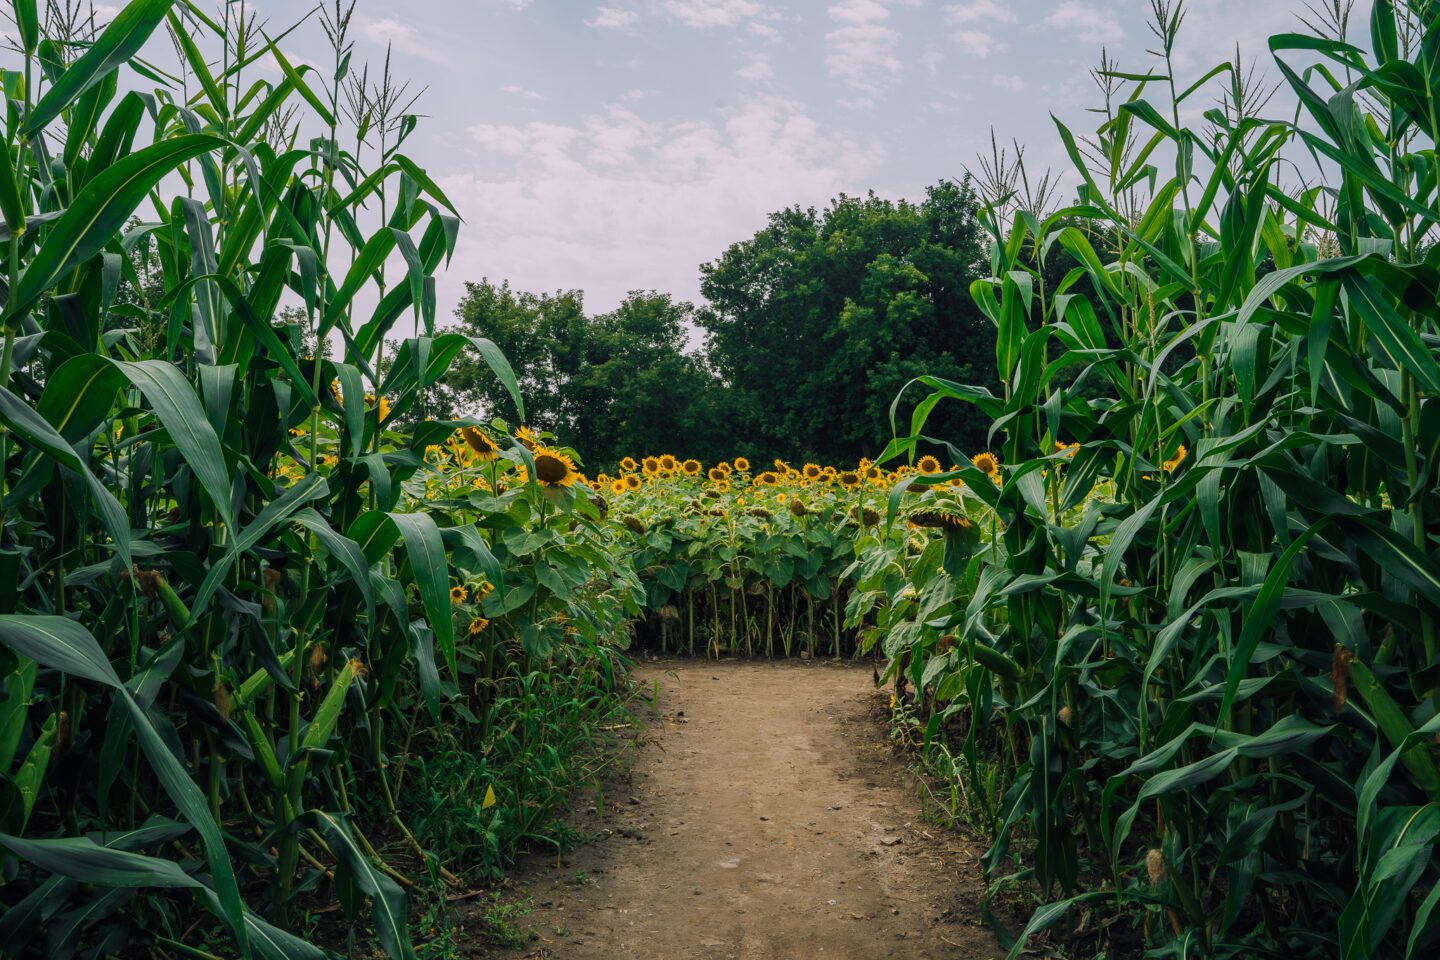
812	327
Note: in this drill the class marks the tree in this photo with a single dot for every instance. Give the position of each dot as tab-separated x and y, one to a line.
820	319
613	384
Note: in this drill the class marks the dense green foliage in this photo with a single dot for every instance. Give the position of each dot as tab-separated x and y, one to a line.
818	321
1190	679
622	380
813	326
252	658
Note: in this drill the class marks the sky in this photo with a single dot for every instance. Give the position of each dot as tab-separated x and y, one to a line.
614	145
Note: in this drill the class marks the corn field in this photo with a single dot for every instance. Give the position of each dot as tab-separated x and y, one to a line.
239	634
1201	643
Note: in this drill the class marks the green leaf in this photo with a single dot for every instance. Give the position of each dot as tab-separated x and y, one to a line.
426	550
99	212
387	898
33	429
121	41
177	407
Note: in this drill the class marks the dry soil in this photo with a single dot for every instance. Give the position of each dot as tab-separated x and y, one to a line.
765	817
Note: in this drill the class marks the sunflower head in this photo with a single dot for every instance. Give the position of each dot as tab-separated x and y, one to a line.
986	464
691	468
553	468
927	464
477	626
742	465
668	463
619	485
716	475
528	437
812	471
650	466
480	442
848	479
797	507
628	465
458	594
1066	450
632	482
1174	462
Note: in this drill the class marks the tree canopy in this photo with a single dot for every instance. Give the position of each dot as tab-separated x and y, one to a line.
812	327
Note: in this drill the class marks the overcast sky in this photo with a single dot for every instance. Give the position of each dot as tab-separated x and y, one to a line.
616	145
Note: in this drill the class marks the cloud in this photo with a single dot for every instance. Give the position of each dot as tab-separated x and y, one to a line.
1086	22
621	201
712	13
698	14
609	18
515	90
863	49
1008	81
976	11
759	69
977	43
404	37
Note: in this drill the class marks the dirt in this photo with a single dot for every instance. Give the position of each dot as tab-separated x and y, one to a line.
766	816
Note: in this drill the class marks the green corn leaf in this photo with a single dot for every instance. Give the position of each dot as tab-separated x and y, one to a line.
179	411
387	899
33	429
67	646
99	212
426	551
120	41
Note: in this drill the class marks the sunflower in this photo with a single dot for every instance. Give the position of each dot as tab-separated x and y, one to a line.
928	464
691	468
986	464
742	464
628	465
603	479
479	441
940	519
1066	450
484	588
528	437
724	487
669	464
723	467
1175	461
477	626
382	406
716	474
781	465
848	479
650	466
553	468
619	485
797	508
812	471
632	482
458	594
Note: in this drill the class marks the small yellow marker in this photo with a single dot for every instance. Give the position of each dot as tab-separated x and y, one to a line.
489	800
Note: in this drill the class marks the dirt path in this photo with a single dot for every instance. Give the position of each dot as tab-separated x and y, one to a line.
766	818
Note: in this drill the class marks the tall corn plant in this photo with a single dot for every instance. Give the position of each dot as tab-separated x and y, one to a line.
1215	618
184	623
